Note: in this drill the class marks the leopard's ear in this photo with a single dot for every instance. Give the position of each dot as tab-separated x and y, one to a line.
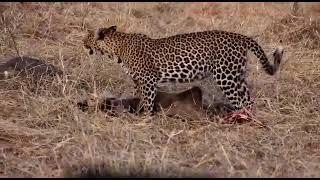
102	32
112	29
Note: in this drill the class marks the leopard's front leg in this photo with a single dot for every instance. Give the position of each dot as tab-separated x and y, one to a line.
148	91
137	91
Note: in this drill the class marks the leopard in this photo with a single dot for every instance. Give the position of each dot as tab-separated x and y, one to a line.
183	58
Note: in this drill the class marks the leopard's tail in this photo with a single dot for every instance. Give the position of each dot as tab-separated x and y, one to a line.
260	54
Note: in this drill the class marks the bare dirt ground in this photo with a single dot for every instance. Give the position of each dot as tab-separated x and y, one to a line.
44	134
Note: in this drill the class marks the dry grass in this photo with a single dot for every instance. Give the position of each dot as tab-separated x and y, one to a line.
44	134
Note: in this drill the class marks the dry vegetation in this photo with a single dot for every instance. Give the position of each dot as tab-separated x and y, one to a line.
44	134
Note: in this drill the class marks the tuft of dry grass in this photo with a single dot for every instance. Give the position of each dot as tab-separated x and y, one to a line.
44	134
297	29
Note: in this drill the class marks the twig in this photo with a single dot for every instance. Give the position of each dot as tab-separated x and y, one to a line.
226	156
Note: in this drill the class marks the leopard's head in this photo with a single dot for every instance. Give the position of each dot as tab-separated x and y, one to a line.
89	42
97	41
